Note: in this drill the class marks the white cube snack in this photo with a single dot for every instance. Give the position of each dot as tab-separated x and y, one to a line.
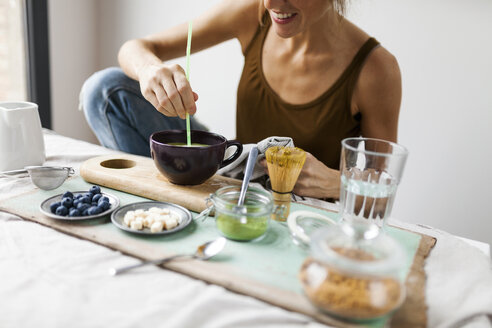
147	221
139	212
171	223
161	217
157	226
130	214
136	225
154	210
128	219
155	218
176	217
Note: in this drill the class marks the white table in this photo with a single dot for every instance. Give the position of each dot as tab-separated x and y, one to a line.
49	279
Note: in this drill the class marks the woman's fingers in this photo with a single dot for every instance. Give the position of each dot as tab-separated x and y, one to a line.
154	93
184	90
168	90
175	98
151	97
165	106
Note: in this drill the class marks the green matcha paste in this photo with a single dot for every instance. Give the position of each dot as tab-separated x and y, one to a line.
232	227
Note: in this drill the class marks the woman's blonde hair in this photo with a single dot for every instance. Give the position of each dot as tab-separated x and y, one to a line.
339	5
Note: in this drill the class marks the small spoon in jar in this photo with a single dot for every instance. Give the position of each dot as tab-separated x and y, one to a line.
250	165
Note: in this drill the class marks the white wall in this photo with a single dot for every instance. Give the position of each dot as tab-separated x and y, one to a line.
444	51
73	26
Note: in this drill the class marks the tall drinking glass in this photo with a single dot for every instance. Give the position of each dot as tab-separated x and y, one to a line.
370	172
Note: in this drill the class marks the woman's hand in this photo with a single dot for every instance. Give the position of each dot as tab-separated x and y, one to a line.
167	89
316	179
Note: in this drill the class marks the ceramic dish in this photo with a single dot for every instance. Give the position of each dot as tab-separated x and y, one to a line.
45	207
185	217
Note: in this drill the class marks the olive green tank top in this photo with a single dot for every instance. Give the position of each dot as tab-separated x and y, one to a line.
317	126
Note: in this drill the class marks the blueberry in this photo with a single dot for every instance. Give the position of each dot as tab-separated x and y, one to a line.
95	190
103	199
79	196
61	210
88	195
83	206
85	200
54	206
67	194
76	202
104	205
67	202
74	212
94	203
96	197
85	212
94	210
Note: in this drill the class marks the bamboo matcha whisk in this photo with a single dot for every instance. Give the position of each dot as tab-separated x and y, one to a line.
284	166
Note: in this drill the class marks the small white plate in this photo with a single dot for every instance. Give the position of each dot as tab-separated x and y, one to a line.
45	207
185	217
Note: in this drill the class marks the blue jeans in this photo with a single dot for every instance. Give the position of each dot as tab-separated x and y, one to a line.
120	116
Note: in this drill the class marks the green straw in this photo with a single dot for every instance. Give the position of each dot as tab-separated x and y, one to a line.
188	50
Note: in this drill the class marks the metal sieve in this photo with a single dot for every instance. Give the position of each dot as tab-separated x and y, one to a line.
45	177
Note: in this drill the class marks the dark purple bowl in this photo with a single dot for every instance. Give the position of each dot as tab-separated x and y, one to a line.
190	165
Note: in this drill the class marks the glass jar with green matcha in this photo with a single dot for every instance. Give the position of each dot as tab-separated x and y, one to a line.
243	224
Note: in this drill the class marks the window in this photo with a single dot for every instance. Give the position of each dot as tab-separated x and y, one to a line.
12	51
24	54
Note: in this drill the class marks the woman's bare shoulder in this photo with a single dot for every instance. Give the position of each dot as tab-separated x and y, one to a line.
246	21
377	94
380	77
238	17
378	87
380	65
380	62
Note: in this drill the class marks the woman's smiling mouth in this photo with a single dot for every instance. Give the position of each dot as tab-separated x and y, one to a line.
282	18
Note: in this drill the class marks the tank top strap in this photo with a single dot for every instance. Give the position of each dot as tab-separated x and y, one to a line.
353	71
260	33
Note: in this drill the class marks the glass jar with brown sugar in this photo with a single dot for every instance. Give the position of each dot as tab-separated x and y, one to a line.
354	272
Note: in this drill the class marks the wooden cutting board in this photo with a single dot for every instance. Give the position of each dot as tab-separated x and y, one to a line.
138	175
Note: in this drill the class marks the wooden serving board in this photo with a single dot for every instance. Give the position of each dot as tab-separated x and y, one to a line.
138	175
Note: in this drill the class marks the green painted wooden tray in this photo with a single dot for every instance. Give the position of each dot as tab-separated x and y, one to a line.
265	269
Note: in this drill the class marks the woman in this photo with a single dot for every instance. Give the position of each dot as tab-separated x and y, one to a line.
309	74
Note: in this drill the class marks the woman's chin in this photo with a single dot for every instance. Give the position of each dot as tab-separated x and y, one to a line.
284	33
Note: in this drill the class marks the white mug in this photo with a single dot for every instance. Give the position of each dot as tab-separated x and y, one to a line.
21	137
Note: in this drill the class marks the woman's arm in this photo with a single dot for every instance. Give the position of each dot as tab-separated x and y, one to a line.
377	96
165	86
